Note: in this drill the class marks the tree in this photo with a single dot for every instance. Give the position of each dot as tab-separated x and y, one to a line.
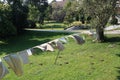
41	6
48	13
71	8
58	13
33	13
74	11
114	20
100	11
6	26
19	13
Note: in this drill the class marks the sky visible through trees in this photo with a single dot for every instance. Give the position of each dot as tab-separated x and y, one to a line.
52	0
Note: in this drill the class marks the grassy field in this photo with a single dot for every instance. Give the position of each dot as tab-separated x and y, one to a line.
90	61
52	26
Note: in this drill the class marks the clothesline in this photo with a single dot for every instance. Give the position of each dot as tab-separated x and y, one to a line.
15	61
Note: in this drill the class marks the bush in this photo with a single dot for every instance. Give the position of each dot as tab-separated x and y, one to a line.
76	23
6	28
66	22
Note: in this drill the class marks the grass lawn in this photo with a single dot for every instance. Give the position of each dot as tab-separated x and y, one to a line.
27	40
90	61
54	26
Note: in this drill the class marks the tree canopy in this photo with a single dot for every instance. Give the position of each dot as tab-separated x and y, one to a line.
16	13
100	11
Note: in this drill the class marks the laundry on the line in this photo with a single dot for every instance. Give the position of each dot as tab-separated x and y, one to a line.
60	46
3	70
40	47
63	40
49	48
16	61
79	39
29	52
24	56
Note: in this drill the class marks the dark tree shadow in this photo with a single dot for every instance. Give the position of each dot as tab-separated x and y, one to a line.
118	55
112	39
27	40
118	70
118	77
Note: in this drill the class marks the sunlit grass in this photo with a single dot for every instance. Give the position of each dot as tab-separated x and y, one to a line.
52	26
2	42
90	61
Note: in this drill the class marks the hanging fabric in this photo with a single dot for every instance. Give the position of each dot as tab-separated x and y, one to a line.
29	52
66	38
70	36
39	47
24	56
60	46
53	43
78	39
49	48
63	40
15	63
3	70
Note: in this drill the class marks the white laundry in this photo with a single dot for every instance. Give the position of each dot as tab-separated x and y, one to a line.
63	40
66	37
29	52
24	56
70	36
3	70
15	63
49	48
53	44
40	47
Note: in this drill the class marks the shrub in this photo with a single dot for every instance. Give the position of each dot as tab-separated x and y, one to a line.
66	22
6	28
76	23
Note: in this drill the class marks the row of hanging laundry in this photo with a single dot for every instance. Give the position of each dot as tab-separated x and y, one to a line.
16	61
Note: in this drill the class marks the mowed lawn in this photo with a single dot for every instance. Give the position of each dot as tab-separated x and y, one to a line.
90	61
52	26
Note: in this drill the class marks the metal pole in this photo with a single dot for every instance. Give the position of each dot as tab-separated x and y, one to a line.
57	57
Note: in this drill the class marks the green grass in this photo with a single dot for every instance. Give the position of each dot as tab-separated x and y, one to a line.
90	61
58	26
26	40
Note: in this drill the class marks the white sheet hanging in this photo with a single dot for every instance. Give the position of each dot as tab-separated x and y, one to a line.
29	52
24	56
15	63
3	70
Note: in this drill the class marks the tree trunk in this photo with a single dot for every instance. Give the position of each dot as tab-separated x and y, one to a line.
99	34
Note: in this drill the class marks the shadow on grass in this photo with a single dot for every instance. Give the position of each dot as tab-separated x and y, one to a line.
118	70
115	40
118	55
26	40
118	78
13	47
112	39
